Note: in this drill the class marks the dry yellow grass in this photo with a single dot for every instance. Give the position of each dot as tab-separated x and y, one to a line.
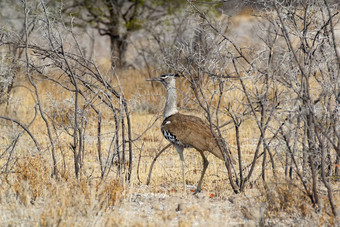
30	196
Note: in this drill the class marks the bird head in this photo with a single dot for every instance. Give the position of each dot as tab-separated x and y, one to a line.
165	79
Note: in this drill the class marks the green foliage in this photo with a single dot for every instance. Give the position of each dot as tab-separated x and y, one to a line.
139	2
118	18
134	24
171	6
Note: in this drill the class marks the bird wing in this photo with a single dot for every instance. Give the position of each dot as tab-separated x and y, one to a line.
191	131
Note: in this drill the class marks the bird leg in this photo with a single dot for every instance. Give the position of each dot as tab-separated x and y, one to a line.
181	156
205	166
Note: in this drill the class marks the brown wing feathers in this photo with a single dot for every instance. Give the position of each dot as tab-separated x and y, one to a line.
192	131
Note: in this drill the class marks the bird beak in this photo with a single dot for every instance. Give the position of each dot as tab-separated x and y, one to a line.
154	79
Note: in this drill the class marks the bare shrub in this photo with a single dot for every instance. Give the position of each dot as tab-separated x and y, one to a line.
272	103
286	84
90	97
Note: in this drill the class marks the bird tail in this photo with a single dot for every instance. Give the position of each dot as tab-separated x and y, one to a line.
217	152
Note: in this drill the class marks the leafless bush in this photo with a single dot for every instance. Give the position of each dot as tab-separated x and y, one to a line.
287	85
58	58
282	88
7	72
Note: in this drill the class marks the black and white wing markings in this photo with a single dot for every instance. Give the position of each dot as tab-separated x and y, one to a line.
169	136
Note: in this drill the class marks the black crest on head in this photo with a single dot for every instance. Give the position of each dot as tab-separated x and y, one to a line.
169	74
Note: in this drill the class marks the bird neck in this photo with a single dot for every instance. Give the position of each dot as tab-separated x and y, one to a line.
171	100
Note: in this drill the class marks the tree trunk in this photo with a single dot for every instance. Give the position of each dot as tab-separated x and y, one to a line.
117	36
118	50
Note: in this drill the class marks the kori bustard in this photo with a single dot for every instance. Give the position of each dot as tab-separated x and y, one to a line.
185	131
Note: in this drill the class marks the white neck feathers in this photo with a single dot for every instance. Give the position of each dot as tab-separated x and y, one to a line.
171	99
